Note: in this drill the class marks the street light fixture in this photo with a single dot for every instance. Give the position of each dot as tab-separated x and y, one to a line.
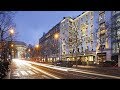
11	31
56	35
11	45
29	50
37	50
37	46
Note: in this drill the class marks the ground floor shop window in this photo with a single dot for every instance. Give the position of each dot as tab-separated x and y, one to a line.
101	57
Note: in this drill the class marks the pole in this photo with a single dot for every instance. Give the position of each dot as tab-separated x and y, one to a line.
76	49
11	48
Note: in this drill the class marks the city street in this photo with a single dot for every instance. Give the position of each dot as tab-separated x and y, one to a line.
22	69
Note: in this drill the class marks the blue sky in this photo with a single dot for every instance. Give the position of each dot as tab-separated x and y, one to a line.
31	24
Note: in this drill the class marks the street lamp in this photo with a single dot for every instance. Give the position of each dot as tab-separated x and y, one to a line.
56	35
11	32
11	45
37	49
37	46
29	50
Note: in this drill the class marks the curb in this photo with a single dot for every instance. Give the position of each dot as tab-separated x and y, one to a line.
8	75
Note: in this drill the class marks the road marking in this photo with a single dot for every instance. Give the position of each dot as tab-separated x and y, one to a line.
24	73
75	70
43	71
46	77
17	74
35	71
31	72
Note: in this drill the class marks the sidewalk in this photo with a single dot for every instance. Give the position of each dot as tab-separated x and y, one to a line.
8	75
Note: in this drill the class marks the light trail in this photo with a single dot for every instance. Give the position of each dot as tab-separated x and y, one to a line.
37	69
67	69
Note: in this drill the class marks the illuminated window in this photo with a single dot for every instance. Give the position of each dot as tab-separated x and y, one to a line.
91	13
63	52
118	34
78	50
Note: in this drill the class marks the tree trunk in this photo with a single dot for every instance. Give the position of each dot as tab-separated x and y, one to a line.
118	60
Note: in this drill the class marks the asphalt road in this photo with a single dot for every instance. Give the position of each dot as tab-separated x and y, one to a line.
21	69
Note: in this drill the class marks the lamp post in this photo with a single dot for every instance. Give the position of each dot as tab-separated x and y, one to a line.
37	50
56	37
11	32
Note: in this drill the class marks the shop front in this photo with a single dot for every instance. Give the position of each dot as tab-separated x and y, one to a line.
101	57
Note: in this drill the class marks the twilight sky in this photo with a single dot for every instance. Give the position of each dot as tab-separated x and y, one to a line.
31	24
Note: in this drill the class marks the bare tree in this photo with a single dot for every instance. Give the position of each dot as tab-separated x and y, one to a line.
6	22
73	41
102	34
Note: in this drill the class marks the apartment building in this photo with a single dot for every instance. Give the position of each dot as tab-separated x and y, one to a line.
66	28
82	38
103	48
49	45
116	36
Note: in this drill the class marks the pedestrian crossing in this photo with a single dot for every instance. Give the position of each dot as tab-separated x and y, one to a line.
31	72
22	74
25	73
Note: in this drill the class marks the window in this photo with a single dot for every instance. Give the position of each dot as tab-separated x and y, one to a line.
91	13
118	34
70	23
81	19
87	47
82	49
86	16
101	17
63	52
70	40
92	49
73	50
102	26
70	45
78	49
87	22
91	25
101	12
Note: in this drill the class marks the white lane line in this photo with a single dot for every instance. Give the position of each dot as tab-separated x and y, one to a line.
46	77
97	74
43	72
17	74
24	73
50	66
31	72
75	70
35	71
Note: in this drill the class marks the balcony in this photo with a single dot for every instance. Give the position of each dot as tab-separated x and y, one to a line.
102	32
101	21
100	12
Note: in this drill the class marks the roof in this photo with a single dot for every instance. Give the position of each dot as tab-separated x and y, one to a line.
20	43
